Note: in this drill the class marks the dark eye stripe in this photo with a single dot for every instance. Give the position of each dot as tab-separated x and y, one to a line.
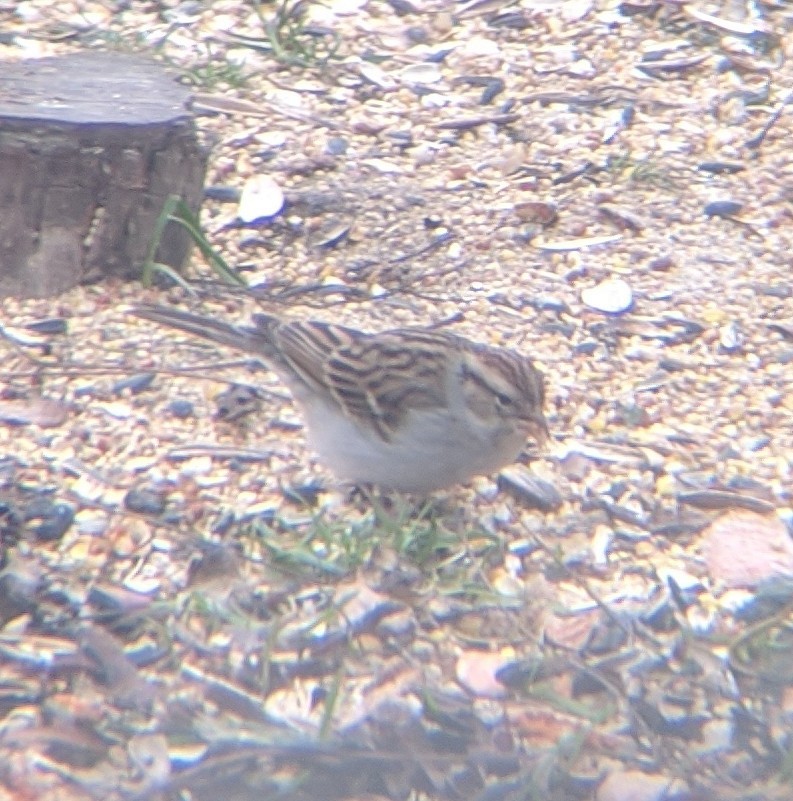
522	375
480	380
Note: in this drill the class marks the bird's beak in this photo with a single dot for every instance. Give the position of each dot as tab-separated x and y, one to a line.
537	428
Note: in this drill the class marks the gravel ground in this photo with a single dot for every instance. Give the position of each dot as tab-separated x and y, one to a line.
191	607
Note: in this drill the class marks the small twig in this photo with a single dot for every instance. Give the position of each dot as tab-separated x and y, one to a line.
84	370
758	140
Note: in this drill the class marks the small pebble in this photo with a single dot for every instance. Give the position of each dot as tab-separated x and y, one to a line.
731	339
476	671
17	593
238	401
134	383
145	501
720	167
493	88
111	599
91	522
49	521
223	194
402	7
417	34
722	208
532	491
586	348
53	325
634	786
337	146
181	408
661	264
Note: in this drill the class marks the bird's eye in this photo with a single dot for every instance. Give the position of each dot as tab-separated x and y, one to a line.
503	400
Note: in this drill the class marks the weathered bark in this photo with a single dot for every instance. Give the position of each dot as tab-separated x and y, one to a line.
91	145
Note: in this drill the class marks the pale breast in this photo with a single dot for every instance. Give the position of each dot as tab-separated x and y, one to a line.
431	450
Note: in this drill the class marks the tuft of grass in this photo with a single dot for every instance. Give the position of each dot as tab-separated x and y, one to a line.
215	70
647	171
290	40
177	211
318	545
132	43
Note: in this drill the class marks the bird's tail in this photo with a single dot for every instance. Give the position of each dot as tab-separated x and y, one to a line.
240	337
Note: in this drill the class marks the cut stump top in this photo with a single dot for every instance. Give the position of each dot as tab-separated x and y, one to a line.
90	88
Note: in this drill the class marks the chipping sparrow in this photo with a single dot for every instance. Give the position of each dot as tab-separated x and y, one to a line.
410	409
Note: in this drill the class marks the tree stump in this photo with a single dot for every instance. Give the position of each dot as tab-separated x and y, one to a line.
91	146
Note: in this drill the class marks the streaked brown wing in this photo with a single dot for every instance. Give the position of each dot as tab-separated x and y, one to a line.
306	346
375	378
378	378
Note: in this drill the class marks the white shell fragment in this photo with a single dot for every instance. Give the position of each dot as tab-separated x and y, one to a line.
731	338
261	197
577	244
612	296
377	75
583	68
383	166
424	73
574	10
733	26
